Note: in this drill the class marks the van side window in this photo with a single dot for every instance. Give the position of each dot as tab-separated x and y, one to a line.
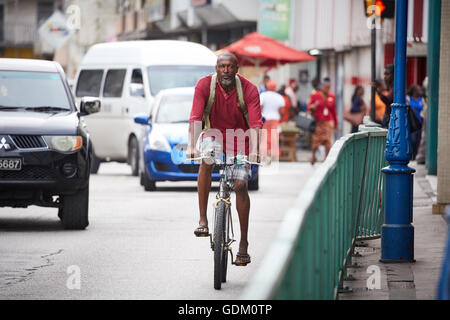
137	84
136	76
114	83
89	83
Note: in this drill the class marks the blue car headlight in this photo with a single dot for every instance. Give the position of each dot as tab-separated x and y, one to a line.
158	142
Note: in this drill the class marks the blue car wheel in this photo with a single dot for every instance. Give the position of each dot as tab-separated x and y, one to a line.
149	185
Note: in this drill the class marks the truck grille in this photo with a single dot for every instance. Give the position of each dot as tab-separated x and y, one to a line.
29	173
29	142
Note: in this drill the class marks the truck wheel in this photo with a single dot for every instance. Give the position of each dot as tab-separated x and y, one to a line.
133	156
74	210
95	163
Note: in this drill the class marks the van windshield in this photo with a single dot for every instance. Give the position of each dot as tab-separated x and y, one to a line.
166	77
40	91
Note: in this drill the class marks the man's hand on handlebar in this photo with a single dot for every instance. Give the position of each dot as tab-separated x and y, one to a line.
192	152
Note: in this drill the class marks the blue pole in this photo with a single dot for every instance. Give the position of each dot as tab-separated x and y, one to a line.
397	234
444	282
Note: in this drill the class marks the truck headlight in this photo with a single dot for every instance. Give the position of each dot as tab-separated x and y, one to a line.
64	143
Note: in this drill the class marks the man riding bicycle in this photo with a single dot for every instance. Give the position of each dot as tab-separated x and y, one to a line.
223	102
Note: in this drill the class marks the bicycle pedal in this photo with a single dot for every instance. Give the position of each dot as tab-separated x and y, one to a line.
203	236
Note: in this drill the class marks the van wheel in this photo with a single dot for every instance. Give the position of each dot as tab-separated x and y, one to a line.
74	210
133	156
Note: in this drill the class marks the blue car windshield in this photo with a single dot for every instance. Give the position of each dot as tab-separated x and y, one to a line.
31	90
166	77
174	109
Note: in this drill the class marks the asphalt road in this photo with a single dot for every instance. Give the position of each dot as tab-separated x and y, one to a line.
139	245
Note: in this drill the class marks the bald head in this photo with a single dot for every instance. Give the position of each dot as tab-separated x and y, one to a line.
228	56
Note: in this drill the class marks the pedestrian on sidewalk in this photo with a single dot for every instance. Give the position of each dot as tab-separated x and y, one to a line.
420	158
263	87
416	101
380	107
286	113
388	98
358	106
322	105
272	104
291	92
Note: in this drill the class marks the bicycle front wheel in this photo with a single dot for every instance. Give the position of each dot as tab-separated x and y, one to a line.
219	245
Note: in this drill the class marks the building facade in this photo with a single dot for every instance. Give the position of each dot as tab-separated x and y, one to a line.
19	22
339	33
214	23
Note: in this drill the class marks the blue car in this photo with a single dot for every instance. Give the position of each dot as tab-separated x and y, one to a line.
165	142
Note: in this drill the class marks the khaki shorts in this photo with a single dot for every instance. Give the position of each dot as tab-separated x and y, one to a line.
241	172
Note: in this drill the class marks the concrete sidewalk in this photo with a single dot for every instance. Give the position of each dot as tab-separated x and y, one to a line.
404	281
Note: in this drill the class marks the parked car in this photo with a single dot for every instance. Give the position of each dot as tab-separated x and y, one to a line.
45	150
165	141
126	76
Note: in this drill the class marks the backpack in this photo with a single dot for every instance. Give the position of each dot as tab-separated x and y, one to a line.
212	96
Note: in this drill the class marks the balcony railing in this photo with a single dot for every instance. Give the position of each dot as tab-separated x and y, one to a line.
18	34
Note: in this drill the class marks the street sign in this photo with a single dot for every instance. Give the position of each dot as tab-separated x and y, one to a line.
55	31
274	18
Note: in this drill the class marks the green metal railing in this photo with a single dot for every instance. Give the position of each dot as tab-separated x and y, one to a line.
341	203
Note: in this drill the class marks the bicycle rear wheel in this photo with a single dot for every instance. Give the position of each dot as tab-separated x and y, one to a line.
219	246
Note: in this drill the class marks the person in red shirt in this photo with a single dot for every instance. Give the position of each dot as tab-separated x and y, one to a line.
226	113
322	105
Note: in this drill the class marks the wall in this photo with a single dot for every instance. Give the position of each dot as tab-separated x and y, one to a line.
443	165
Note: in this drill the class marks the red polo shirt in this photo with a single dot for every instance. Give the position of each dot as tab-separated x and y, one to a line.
226	112
326	106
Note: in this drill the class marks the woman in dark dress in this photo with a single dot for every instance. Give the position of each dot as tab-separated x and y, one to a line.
358	105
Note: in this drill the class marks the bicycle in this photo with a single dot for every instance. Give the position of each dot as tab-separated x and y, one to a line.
220	239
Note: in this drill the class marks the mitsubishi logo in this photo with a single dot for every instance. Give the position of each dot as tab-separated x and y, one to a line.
3	144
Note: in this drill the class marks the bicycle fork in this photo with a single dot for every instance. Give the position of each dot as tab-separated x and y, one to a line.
229	226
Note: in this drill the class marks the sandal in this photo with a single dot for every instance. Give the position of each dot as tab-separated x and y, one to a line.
245	259
199	233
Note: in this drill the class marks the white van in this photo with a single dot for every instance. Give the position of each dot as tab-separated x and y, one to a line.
126	76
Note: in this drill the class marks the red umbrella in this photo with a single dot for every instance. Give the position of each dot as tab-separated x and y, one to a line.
259	50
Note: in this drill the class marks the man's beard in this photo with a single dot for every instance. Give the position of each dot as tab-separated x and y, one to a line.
226	82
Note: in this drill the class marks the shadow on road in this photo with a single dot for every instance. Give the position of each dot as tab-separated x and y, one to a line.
181	189
27	224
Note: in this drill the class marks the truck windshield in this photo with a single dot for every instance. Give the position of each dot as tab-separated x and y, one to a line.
174	109
166	77
31	90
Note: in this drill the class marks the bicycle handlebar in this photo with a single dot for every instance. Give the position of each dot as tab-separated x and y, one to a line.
206	157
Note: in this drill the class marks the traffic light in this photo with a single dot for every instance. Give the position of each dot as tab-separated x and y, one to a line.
385	8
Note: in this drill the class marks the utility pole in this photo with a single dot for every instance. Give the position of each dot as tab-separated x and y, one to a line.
397	234
374	61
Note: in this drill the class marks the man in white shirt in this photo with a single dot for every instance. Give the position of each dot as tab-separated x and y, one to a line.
271	103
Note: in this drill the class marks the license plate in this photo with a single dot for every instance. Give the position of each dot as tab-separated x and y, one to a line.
10	164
